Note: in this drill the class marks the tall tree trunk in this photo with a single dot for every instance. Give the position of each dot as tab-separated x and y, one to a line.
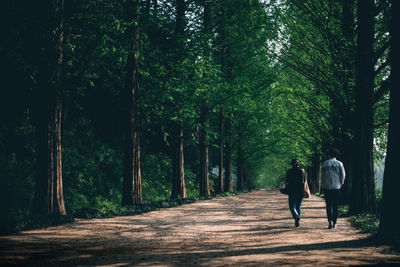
363	188
240	168
221	151
228	155
245	176
178	167
49	197
348	78
178	170
347	159
389	224
314	173
132	182
204	109
204	148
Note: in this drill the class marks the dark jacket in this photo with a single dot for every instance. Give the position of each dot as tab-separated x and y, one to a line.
295	182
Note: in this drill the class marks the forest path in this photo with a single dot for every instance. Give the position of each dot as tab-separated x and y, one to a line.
252	229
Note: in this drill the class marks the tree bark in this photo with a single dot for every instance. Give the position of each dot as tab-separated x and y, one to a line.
132	182
347	159
204	148
240	168
228	156
178	170
245	176
314	174
389	224
221	151
347	113
204	109
49	197
363	187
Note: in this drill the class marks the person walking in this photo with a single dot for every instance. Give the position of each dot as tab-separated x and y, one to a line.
295	185
332	176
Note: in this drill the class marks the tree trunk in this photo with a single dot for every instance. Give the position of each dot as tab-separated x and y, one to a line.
204	110
132	182
49	197
221	151
204	147
240	168
347	159
178	170
363	187
389	224
228	156
245	176
314	174
347	113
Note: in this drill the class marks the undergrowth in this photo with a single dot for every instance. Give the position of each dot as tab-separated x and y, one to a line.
367	222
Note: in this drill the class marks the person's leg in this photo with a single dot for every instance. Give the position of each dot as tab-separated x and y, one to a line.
335	202
299	200
292	206
328	201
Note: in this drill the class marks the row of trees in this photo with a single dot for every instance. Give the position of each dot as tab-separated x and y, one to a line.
344	80
342	53
130	101
151	97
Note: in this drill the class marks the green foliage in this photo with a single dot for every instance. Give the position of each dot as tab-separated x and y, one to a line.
92	168
367	222
156	177
343	210
17	159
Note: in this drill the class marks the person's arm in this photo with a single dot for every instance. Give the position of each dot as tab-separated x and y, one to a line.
342	174
323	173
287	178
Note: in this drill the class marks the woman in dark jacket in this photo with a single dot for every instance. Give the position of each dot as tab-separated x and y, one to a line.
295	185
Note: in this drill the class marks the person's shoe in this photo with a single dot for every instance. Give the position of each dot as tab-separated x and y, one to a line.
297	222
330	226
333	225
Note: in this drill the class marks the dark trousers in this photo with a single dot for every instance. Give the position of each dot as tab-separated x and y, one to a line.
331	200
295	206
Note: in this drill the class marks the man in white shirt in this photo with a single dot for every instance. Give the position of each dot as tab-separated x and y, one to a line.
333	176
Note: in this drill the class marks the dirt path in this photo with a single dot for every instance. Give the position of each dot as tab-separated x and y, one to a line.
253	229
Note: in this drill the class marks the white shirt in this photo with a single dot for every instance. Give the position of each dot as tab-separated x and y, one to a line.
333	174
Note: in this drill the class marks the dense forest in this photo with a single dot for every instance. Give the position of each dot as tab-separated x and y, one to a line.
107	104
